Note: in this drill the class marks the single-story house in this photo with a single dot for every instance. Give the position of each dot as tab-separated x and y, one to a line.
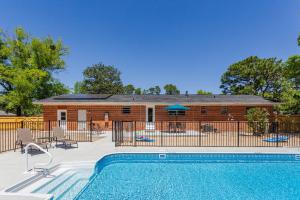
150	108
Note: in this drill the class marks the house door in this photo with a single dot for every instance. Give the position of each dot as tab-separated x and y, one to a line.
150	115
62	118
81	120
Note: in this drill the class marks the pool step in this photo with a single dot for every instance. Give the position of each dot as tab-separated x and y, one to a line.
73	190
60	188
66	186
51	185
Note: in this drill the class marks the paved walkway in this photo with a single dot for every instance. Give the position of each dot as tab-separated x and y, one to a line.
12	164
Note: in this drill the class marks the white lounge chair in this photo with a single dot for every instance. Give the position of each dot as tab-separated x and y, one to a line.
59	136
24	137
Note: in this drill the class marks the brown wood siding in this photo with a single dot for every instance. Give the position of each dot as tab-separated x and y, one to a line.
235	113
138	113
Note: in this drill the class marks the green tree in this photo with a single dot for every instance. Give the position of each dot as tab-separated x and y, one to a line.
290	99
293	70
77	87
102	79
155	90
255	76
203	92
152	91
26	67
171	89
138	91
290	96
145	92
258	119
129	89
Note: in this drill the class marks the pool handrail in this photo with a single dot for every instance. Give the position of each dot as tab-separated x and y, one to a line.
37	165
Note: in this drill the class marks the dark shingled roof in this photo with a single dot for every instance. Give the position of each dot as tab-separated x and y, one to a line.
191	98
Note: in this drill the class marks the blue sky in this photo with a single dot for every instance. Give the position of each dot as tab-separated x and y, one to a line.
188	43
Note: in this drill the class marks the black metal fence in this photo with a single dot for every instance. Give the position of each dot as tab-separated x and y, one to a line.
206	134
81	131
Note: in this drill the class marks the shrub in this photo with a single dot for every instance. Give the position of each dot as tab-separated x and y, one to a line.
258	119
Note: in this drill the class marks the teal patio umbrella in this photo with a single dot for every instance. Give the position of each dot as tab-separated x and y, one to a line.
176	108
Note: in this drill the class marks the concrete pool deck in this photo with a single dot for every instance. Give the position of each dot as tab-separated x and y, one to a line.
12	164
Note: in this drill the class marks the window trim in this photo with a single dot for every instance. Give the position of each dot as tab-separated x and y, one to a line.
176	113
224	110
126	110
203	108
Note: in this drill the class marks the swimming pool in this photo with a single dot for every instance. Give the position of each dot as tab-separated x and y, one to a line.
193	176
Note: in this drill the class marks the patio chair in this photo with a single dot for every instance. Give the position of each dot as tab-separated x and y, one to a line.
208	128
181	127
24	137
59	136
98	129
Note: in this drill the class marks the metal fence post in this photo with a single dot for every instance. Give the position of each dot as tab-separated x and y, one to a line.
199	129
277	127
49	129
122	133
238	133
112	131
161	132
91	130
116	128
134	134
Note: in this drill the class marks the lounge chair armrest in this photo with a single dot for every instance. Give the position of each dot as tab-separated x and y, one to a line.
18	142
68	137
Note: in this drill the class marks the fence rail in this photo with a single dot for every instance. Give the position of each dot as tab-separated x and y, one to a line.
81	131
206	134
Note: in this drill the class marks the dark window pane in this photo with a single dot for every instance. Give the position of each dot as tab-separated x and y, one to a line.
63	116
126	110
203	110
178	113
224	111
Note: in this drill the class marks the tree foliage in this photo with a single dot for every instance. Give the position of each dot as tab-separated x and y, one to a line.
290	96
258	119
293	70
77	87
102	79
129	89
255	76
171	89
26	67
138	91
203	92
290	99
153	91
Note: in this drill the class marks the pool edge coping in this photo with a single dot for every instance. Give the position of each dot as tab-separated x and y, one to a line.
14	190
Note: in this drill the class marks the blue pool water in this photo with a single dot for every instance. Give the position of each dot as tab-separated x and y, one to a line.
194	176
